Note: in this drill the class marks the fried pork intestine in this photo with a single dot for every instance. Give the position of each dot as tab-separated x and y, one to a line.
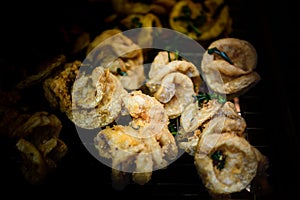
212	117
57	88
200	20
37	140
175	92
144	36
127	7
224	77
96	98
227	163
113	50
143	145
161	66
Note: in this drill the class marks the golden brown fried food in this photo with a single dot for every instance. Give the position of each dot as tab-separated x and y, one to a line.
127	7
143	145
161	66
200	21
212	117
228	66
226	163
144	37
58	87
113	50
37	139
33	166
175	92
96	98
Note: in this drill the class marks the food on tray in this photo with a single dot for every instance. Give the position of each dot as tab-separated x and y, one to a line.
227	163
200	21
228	66
141	146
209	117
113	50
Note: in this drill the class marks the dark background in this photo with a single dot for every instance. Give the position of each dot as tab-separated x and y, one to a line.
33	32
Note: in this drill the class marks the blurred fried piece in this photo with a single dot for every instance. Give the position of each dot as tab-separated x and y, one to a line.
127	7
45	70
228	66
33	166
144	37
201	21
37	139
114	50
57	88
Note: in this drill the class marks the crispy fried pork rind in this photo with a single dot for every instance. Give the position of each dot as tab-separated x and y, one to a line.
200	21
176	91
37	140
96	98
162	66
211	117
226	163
142	145
58	87
113	50
232	79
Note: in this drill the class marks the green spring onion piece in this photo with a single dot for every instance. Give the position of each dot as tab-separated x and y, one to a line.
121	73
220	53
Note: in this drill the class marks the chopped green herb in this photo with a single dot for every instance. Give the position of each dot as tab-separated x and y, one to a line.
193	24
121	73
136	22
173	126
220	53
201	97
218	158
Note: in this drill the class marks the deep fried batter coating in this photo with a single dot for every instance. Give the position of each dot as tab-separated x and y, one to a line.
143	145
175	92
96	98
161	66
226	163
114	50
232	79
58	87
213	117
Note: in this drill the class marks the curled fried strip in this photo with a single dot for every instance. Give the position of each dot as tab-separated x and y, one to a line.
144	144
226	163
113	50
96	98
232	78
33	166
161	67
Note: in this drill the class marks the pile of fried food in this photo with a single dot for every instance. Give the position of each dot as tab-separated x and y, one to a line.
135	109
